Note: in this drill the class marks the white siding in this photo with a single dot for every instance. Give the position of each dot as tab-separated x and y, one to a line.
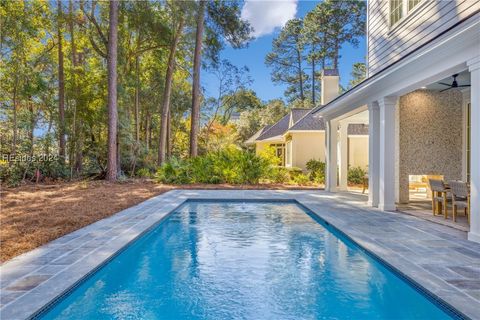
430	18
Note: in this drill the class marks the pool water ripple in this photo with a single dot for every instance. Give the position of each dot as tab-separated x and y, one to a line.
252	260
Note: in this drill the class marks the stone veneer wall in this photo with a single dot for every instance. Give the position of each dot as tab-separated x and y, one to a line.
430	136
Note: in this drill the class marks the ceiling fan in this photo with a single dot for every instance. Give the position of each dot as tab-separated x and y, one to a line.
454	84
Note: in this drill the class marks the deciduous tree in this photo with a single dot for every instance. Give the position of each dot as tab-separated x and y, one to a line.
223	23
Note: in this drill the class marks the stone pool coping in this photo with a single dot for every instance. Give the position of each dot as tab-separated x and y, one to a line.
438	258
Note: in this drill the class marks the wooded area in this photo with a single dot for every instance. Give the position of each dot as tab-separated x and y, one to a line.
113	89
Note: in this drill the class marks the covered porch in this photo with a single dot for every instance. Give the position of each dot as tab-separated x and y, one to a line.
417	129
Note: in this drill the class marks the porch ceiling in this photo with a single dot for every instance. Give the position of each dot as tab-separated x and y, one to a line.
463	78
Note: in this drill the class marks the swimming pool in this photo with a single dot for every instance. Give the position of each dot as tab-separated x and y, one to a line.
244	260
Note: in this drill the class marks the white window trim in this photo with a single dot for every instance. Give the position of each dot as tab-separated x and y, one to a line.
288	153
406	15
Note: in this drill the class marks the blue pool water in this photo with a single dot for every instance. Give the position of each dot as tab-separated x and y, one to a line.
244	260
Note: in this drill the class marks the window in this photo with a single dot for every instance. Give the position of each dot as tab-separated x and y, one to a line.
412	4
400	8
280	152
395	11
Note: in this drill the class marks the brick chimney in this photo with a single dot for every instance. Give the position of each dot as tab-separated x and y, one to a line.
330	85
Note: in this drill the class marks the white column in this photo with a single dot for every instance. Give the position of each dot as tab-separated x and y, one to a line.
343	154
331	155
474	68
373	153
386	199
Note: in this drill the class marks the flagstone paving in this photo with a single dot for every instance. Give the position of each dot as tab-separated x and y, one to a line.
438	258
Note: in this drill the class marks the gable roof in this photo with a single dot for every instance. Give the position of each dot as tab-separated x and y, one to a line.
296	119
309	122
297	114
257	134
277	129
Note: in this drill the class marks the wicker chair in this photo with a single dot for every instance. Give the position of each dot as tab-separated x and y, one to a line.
439	196
460	198
365	183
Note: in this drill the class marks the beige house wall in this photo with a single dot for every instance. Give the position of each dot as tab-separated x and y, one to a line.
307	146
430	136
311	145
358	151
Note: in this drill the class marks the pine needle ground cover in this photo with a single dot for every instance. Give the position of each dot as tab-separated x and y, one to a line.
33	215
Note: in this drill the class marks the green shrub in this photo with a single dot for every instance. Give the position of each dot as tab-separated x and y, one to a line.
251	167
316	169
201	170
269	155
144	173
356	174
230	165
12	174
174	171
279	175
53	169
301	179
294	172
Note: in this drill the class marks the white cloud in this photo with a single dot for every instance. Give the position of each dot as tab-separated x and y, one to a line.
267	15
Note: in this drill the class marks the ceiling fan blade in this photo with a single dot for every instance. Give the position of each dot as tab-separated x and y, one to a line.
445	84
445	89
464	85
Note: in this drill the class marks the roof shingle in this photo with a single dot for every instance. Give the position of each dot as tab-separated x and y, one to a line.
309	122
277	129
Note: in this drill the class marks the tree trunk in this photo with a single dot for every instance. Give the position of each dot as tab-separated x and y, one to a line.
195	117
162	145
335	58
147	131
169	136
300	75
137	99
32	125
313	82
79	150
150	132
78	128
72	33
47	141
61	86
112	92
324	55
118	157
15	122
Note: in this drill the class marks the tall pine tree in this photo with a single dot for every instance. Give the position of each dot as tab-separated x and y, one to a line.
287	60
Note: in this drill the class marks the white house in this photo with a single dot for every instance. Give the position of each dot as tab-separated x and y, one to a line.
422	94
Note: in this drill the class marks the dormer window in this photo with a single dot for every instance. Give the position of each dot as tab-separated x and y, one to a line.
400	9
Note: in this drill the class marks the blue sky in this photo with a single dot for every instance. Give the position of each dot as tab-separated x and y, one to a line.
268	16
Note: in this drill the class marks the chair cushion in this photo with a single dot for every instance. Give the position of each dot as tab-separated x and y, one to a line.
461	204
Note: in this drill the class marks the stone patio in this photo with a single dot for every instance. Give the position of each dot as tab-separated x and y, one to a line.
436	257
